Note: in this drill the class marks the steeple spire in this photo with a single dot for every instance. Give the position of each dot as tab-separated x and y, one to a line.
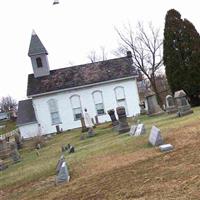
38	55
36	47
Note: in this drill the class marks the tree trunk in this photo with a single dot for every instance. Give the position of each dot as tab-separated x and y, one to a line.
159	99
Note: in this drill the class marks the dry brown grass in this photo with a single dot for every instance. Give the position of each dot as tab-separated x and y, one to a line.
139	173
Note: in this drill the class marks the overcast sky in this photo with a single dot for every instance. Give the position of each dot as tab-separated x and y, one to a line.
71	30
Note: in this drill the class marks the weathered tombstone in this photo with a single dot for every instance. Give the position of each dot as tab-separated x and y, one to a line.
170	105
184	107
91	132
132	130
113	118
123	124
59	163
155	137
18	140
152	105
70	148
58	130
14	153
97	120
142	108
84	128
166	147
93	122
63	174
140	129
89	124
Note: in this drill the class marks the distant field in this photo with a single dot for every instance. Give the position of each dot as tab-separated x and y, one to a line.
112	166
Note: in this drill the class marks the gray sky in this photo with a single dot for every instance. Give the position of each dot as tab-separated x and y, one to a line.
71	30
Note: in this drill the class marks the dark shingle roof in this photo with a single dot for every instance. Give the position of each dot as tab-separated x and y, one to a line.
36	47
26	112
81	75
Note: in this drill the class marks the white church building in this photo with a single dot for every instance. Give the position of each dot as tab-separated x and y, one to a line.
57	98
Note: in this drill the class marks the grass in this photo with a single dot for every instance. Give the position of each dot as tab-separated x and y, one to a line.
9	126
111	166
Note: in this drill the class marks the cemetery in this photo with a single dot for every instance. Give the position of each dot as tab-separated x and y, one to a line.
112	164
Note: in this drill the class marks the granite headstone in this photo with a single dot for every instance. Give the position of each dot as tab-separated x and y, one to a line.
63	174
155	137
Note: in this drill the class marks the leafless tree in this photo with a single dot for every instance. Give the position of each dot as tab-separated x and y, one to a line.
7	104
95	57
146	47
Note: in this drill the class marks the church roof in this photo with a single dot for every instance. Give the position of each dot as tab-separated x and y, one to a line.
25	114
81	76
36	47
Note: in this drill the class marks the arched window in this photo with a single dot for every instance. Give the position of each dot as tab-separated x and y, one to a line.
120	97
98	101
76	106
53	109
39	62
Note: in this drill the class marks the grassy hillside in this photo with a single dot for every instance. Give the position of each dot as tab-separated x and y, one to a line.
112	166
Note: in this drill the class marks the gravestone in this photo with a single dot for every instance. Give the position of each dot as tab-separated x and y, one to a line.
132	130
89	124
166	147
18	140
83	126
140	130
97	120
142	108
123	123
59	163
170	105
63	174
184	107
90	132
155	137
93	122
70	148
113	118
152	105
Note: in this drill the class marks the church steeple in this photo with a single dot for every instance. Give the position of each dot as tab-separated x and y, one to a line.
38	54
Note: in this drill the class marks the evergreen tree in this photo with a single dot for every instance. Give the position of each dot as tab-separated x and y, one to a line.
181	55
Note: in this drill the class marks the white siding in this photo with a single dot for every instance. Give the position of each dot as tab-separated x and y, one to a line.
87	101
29	130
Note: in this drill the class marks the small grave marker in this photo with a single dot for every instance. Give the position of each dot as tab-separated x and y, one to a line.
132	130
155	137
140	130
166	147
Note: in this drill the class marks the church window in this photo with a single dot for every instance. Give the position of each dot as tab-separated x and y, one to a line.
98	101
53	108
39	62
76	106
120	97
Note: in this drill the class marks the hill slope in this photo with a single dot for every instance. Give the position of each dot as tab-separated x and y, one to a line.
111	166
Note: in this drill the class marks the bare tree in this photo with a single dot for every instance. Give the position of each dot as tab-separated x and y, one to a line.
94	57
146	49
7	104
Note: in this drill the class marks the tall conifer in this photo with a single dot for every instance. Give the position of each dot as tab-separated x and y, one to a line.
182	55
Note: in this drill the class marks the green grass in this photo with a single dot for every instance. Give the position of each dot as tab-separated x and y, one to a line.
106	142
